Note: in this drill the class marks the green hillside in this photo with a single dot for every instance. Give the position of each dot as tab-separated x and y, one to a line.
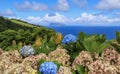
15	24
20	31
22	23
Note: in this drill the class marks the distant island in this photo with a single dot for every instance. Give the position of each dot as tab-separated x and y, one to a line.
57	24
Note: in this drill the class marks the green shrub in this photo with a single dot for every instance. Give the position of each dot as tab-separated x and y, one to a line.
116	43
118	37
94	44
46	45
27	37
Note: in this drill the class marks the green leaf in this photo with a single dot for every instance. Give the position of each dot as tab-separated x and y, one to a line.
102	47
93	37
57	63
102	38
80	69
118	37
86	71
82	36
79	46
94	46
116	46
41	61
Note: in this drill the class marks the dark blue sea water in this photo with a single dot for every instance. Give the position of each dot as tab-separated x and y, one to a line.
108	31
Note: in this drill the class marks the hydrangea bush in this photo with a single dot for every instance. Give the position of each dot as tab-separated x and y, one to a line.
84	58
102	67
48	68
60	55
26	51
69	38
35	59
11	63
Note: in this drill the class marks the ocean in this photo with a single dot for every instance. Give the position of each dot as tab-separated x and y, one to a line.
108	31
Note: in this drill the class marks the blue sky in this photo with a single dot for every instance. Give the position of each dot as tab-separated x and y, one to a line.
68	12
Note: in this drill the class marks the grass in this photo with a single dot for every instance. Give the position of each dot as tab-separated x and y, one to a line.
21	23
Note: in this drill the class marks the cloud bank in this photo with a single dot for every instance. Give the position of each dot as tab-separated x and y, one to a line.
81	3
108	4
36	6
62	5
84	19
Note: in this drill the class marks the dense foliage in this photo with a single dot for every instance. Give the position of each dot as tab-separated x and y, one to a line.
13	34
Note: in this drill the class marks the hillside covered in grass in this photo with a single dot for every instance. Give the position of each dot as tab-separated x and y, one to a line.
18	31
15	24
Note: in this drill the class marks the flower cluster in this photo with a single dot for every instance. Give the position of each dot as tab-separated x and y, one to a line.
109	63
111	55
84	59
60	55
64	70
118	68
48	68
16	68
118	60
12	56
15	56
69	38
10	63
101	67
35	59
26	51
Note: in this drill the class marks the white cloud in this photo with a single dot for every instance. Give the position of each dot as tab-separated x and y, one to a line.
62	5
108	4
84	19
32	19
7	12
31	6
96	19
57	18
48	18
81	3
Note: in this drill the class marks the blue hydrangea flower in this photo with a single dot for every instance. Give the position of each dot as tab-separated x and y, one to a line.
26	51
48	68
69	38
